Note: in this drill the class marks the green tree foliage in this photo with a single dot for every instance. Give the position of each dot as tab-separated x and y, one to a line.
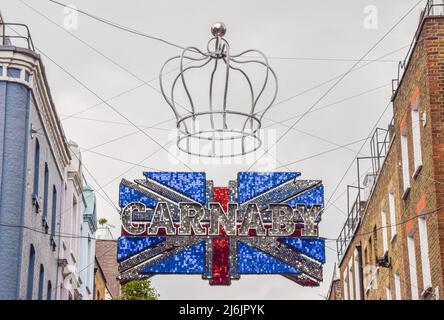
138	290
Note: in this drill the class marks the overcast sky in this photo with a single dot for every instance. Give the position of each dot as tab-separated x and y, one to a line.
332	32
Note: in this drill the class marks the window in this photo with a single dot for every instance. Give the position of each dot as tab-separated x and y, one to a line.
356	271
350	278
366	257
392	210
370	251
74	220
416	132
412	267
405	158
14	73
384	231
397	287
345	282
89	275
424	247
54	211
388	293
36	168
31	262
41	282
375	245
49	291
45	192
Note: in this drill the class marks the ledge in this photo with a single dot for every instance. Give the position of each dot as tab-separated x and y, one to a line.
405	193
29	52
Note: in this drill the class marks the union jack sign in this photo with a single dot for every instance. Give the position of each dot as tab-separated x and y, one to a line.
262	223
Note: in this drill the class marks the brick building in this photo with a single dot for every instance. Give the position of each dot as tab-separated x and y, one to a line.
101	291
107	268
334	292
392	244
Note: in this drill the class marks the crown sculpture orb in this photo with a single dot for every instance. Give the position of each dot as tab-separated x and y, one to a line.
219	99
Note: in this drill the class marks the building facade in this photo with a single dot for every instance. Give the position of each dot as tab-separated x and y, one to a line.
107	264
87	244
101	290
41	185
70	220
392	244
334	291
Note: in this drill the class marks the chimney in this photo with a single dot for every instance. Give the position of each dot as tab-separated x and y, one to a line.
369	181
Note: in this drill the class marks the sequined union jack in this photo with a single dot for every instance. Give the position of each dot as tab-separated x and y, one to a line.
228	231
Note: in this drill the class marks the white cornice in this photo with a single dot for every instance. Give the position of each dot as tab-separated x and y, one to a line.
77	181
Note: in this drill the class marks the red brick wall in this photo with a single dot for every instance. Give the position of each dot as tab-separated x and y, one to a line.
424	76
106	254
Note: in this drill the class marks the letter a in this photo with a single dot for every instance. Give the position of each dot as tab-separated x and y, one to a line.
162	219
252	221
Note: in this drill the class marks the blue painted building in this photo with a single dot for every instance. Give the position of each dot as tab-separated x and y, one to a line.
37	180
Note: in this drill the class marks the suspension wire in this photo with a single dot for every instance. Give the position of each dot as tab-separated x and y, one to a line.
319	85
331	104
170	43
340	79
115	110
115	63
118	26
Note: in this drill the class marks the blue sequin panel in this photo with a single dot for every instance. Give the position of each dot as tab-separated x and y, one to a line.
128	195
251	184
130	246
189	261
312	197
314	248
191	184
253	261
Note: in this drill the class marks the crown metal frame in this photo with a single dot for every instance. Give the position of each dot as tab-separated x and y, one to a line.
246	136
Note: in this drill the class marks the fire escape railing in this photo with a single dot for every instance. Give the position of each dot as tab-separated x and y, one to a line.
16	34
432	8
379	145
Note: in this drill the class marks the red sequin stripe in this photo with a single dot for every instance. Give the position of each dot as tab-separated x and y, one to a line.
221	245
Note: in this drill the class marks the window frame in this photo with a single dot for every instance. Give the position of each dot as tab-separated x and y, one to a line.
397	280
41	282
31	267
405	160
412	266
424	253
385	246
46	191
356	272
345	283
36	178
392	214
416	134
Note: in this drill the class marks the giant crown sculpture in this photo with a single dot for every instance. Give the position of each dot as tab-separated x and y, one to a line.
226	118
